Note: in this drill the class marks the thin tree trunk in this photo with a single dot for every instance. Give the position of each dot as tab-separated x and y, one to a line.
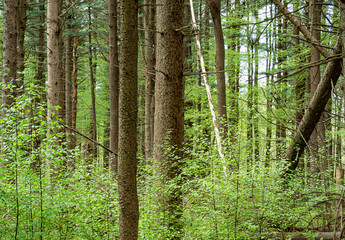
68	79
317	138
149	23
215	7
75	92
127	165
113	84
92	86
21	27
208	91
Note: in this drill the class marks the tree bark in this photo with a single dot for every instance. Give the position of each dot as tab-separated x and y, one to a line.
75	89
128	110
56	94
68	79
113	84
21	27
317	138
149	23
9	52
169	102
215	7
92	86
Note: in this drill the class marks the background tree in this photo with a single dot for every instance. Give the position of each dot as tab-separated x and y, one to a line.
113	82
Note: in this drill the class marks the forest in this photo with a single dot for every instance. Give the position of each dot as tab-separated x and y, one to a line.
172	119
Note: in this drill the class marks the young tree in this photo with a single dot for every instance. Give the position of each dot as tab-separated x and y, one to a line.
169	108
128	110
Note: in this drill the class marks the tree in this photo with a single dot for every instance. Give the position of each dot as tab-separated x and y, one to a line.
317	138
128	104
56	94
21	27
215	7
92	86
149	23
9	53
68	76
169	108
113	82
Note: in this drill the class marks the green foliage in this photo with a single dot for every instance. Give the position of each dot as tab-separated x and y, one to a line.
40	196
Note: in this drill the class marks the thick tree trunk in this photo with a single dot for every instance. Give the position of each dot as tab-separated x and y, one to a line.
149	23
215	7
113	84
9	52
128	108
314	110
169	125
56	96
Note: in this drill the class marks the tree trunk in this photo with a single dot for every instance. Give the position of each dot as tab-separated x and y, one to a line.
128	108
169	125
317	138
215	7
75	89
68	79
92	86
21	27
149	23
9	52
113	84
314	110
56	94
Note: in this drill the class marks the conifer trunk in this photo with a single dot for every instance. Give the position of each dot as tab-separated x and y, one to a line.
113	83
169	102
128	110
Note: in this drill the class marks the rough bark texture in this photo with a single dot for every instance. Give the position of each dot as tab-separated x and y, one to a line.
113	83
314	110
75	88
317	138
215	6
128	104
21	27
92	86
9	51
168	135
56	94
68	79
149	24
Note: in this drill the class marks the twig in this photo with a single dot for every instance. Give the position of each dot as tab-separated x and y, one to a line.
90	139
